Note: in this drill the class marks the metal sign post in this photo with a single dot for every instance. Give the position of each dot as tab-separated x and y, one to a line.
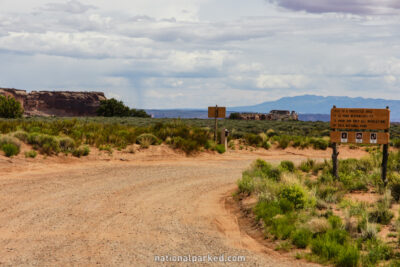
360	126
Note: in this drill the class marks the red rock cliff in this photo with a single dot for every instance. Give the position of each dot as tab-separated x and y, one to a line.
57	103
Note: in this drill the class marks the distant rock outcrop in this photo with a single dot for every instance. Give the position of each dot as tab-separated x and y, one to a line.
56	103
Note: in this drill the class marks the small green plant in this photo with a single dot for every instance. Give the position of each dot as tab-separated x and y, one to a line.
246	184
10	149
21	135
307	166
81	151
66	144
287	165
220	148
294	194
301	238
147	139
30	154
107	148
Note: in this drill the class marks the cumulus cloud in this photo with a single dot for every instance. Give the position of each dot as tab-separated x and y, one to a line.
267	81
71	6
361	7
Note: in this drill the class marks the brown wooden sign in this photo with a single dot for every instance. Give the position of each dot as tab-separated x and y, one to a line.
217	112
377	138
360	119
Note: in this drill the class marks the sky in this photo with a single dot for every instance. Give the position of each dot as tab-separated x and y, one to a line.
195	53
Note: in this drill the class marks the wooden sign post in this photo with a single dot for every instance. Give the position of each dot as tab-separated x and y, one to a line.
216	112
360	126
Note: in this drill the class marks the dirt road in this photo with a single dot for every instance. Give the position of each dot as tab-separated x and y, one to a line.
124	213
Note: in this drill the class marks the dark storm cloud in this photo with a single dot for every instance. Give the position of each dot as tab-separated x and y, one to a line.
360	7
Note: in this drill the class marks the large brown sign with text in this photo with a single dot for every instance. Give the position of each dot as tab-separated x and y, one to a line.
360	119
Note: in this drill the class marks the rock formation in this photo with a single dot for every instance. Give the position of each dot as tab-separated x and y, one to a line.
56	103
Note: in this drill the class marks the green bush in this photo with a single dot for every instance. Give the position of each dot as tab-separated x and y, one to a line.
146	140
377	251
220	148
295	194
349	256
10	149
10	108
282	226
287	165
246	184
319	143
283	142
253	139
66	144
31	154
21	135
46	144
301	238
307	166
266	145
81	151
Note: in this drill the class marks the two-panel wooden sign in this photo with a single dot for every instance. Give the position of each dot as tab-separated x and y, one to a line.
360	125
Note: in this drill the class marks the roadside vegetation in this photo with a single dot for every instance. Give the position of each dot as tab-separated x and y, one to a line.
51	136
352	220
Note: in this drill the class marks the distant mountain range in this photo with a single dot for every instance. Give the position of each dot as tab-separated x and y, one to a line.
309	107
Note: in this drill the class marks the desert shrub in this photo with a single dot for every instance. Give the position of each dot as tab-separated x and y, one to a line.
10	108
146	140
188	146
220	148
287	165
396	143
377	251
381	214
107	148
295	194
266	170
307	166
271	133
335	222
330	193
8	139
81	151
266	145
394	185
10	149
330	244
282	225
283	142
253	139
67	144
246	184
301	238
30	154
46	144
349	256
266	210
319	143
21	135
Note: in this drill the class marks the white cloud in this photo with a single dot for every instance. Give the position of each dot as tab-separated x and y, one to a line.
267	81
